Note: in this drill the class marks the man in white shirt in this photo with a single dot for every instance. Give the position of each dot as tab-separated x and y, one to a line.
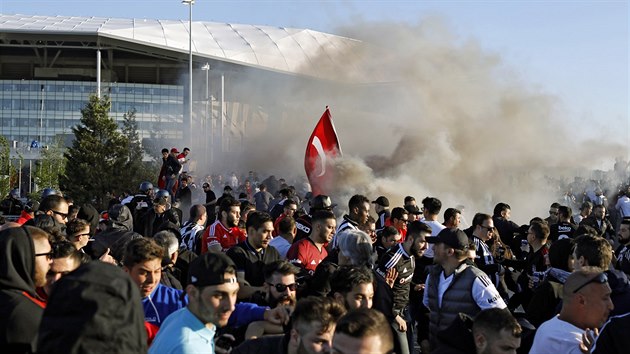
284	240
585	307
623	204
431	210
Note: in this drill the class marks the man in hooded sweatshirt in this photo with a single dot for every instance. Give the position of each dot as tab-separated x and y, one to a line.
25	257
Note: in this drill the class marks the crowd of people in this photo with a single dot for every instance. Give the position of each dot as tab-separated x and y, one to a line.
267	267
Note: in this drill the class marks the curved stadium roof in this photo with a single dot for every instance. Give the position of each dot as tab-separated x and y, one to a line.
289	50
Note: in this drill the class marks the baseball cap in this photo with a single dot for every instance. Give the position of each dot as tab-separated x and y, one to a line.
413	209
382	201
174	151
322	201
454	238
209	269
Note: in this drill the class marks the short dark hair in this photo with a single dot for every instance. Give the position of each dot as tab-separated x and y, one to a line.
247	205
289	202
345	278
555	205
63	249
479	218
75	226
416	227
500	207
323	310
51	202
322	215
432	205
196	212
596	250
560	252
451	212
282	267
397	213
540	229
409	199
357	200
257	219
286	225
493	321
165	150
564	211
389	231
227	204
141	250
586	205
362	323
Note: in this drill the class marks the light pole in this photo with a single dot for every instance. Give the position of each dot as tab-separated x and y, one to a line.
206	68
190	3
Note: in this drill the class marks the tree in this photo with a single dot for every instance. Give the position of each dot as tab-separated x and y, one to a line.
5	167
136	171
98	156
51	166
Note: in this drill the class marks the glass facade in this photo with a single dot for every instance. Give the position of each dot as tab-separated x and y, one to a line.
42	109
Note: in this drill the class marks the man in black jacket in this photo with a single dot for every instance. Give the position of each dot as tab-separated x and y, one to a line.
25	258
172	170
401	260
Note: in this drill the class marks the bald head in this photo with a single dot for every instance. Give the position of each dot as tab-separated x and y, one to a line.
586	298
579	280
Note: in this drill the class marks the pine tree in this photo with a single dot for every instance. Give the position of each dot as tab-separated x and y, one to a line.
51	166
5	167
98	156
136	171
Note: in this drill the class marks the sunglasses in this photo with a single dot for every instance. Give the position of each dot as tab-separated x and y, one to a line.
63	215
281	287
49	255
599	279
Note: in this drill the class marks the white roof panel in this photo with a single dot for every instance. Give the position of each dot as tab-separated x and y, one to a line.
298	51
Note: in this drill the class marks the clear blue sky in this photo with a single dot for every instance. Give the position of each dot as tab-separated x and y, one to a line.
576	50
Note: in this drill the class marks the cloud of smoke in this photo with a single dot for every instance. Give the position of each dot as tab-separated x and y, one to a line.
420	112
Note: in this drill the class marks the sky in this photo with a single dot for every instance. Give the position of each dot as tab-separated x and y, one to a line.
576	51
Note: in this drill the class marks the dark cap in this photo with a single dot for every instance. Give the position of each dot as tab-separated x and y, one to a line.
413	209
209	269
382	201
321	202
454	238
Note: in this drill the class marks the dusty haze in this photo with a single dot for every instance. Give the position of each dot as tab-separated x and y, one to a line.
446	119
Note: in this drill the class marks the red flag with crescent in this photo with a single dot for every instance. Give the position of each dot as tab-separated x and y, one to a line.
323	145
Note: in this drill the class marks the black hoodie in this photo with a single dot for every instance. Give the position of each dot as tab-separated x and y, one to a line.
20	307
94	309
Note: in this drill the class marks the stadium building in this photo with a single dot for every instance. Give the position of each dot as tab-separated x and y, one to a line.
49	65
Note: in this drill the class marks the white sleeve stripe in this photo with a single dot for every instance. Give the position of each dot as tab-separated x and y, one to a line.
394	260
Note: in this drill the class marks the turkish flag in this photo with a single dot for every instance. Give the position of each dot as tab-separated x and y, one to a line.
322	147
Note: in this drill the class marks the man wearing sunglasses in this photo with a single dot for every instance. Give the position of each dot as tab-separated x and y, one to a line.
585	307
55	206
483	231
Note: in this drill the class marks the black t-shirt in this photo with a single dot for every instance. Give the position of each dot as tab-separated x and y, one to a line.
561	230
251	262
